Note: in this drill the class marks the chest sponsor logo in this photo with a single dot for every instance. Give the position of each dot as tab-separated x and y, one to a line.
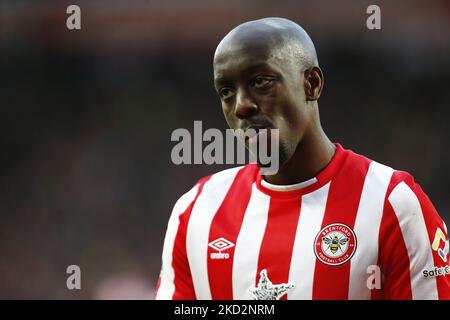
335	244
220	245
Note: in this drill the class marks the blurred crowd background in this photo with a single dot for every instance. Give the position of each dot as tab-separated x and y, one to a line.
86	117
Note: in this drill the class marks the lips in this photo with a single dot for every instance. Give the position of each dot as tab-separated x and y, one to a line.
253	136
256	127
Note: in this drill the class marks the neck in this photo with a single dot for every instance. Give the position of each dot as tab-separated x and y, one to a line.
312	155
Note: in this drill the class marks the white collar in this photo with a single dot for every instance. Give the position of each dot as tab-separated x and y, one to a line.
289	187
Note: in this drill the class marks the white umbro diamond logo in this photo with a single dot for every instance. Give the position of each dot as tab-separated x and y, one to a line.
220	245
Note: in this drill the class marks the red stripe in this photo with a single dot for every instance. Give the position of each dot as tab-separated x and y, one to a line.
393	256
184	287
332	282
227	224
278	241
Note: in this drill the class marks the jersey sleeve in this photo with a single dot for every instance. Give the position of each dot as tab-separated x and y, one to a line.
414	244
175	281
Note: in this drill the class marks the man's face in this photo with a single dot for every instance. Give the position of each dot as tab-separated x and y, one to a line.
261	90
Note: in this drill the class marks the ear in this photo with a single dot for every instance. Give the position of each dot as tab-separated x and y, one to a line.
313	83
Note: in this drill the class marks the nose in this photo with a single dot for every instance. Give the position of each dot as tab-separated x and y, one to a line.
245	106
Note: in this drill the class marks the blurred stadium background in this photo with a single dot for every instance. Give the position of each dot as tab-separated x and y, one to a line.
86	118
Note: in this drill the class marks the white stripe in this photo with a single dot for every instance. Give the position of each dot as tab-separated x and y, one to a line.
366	228
167	286
303	262
248	243
206	206
409	214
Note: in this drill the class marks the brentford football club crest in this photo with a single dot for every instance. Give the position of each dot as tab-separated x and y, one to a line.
335	244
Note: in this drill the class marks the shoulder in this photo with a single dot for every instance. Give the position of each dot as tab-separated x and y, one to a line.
406	196
406	206
372	172
218	182
376	170
403	195
401	190
409	202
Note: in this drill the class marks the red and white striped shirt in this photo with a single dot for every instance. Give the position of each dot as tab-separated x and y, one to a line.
233	236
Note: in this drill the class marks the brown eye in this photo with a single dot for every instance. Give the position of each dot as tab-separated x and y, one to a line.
226	93
262	82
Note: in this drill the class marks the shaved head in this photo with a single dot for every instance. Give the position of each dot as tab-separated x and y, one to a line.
277	38
267	76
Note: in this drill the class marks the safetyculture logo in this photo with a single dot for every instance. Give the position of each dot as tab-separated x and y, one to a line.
441	244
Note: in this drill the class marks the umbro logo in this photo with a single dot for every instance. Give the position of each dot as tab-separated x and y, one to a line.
220	244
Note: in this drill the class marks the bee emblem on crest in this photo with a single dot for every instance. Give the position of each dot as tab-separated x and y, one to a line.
335	244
